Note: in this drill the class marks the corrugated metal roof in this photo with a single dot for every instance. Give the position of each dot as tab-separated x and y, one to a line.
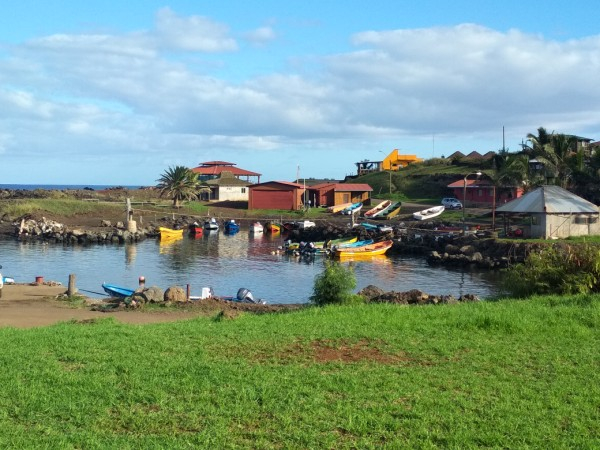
549	199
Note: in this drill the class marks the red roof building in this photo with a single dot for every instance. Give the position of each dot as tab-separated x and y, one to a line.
213	169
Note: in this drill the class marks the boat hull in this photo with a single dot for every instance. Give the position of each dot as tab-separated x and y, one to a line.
168	233
117	291
379	209
378	248
428	213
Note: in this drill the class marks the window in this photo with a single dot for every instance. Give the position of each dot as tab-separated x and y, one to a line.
243	190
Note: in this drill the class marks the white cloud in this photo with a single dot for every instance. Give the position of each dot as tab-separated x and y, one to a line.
261	35
194	33
111	94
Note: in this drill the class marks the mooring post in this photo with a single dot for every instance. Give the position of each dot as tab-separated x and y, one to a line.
71	290
187	292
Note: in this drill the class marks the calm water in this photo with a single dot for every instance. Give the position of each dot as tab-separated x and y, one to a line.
225	263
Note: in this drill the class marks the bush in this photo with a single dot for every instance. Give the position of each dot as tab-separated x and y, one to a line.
334	286
557	269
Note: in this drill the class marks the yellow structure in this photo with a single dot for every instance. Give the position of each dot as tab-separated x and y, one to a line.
395	161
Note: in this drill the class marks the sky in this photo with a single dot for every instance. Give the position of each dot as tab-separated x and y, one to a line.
104	92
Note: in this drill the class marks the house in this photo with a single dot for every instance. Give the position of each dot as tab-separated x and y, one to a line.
331	194
213	169
481	192
276	195
228	188
552	212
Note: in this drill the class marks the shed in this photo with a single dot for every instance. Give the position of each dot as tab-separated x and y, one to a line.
228	188
552	212
275	195
331	194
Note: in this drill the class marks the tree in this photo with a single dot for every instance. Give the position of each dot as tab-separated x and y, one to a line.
179	183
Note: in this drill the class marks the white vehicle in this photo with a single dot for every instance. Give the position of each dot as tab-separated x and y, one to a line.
452	203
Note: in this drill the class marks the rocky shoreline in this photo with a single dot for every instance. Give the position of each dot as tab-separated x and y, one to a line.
481	250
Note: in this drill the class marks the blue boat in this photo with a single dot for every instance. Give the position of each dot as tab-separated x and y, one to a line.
355	207
231	227
117	291
355	244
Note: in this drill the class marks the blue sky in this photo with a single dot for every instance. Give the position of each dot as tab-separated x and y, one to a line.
105	92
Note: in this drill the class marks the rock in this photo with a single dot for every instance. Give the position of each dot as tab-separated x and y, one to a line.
467	250
106	223
153	294
175	294
371	292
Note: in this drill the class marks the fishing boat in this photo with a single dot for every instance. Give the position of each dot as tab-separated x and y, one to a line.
322	244
337	208
377	248
378	209
168	233
231	227
352	209
354	244
388	213
256	227
196	230
429	213
271	227
117	291
380	228
211	224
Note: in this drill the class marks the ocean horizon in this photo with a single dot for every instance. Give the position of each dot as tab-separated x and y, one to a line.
61	187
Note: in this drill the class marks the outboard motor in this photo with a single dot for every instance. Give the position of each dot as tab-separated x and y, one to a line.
244	295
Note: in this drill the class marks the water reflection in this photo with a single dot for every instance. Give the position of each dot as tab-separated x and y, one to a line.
227	263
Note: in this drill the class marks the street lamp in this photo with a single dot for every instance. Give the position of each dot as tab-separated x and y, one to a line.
465	197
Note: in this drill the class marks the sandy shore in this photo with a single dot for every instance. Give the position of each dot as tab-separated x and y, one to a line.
27	306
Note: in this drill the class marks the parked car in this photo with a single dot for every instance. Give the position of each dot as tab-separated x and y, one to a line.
452	203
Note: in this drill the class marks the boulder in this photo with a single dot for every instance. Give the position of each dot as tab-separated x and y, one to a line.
175	294
153	294
371	292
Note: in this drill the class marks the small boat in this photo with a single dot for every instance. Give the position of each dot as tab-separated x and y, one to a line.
168	233
429	213
354	208
381	228
196	229
256	227
305	224
378	209
377	248
231	227
211	224
322	244
117	291
337	208
271	227
388	213
354	244
7	280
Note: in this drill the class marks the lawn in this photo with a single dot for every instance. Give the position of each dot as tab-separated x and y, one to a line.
507	374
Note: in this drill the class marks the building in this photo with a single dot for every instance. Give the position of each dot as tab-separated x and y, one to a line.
394	161
475	192
276	195
551	212
228	188
226	182
331	194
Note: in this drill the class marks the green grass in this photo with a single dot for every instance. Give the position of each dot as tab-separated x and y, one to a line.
509	374
63	206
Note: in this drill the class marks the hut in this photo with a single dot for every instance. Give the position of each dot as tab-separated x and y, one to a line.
276	195
551	212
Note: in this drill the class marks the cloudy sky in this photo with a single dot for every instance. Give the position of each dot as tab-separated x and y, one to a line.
104	92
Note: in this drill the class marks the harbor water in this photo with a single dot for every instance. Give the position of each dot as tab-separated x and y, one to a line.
226	263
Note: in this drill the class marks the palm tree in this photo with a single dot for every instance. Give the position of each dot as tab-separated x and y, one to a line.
538	143
179	183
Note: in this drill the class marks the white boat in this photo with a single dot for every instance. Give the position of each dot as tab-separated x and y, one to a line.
379	208
256	227
305	224
429	213
211	224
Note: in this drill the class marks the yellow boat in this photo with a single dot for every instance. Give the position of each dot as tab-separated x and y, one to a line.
378	248
168	233
379	208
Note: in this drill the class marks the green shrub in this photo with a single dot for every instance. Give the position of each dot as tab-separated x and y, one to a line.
334	285
556	269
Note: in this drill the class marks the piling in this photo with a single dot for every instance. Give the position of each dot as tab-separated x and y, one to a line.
71	289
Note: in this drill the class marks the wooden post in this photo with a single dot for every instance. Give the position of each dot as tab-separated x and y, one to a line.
71	290
131	225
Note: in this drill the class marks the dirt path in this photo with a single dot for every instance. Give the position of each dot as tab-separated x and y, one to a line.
27	306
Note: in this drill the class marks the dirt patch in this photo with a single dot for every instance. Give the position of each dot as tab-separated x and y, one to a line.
28	306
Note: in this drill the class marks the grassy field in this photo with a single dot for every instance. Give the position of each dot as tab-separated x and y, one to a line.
509	374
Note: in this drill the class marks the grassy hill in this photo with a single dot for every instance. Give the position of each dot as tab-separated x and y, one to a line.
427	180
